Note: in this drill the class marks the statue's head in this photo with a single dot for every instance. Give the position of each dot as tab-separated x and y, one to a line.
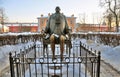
57	9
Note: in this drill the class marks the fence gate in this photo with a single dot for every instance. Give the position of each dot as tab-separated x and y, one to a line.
79	63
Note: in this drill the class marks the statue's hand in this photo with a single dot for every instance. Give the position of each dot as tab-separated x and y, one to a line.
67	37
47	36
56	35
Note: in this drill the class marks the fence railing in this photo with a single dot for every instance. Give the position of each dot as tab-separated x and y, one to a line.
111	39
107	39
7	39
81	63
88	52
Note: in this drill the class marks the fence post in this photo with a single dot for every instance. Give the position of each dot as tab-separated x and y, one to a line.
11	65
98	64
80	48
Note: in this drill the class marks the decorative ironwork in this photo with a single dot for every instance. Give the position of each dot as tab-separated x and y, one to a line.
22	65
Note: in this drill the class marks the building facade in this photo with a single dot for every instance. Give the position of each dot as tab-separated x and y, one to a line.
37	27
93	28
42	21
22	27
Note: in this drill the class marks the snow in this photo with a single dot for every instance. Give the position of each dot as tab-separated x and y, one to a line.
109	54
4	53
58	71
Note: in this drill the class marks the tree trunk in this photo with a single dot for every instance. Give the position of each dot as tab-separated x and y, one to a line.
117	25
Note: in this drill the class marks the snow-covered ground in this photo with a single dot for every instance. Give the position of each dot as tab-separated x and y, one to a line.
108	54
58	71
4	53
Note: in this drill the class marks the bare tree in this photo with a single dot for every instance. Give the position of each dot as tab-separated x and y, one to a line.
82	18
3	18
113	6
109	17
99	20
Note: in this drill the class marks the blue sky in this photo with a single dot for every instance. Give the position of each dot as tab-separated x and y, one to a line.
29	10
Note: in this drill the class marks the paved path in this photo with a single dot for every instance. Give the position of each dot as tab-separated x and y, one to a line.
108	71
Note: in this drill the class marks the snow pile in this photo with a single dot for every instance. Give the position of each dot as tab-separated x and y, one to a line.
6	49
109	54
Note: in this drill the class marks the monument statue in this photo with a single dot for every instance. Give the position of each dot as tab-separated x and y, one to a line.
57	30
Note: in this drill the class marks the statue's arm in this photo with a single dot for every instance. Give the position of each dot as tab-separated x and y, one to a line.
66	31
47	28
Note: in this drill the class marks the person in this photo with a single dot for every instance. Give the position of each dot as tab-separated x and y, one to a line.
57	31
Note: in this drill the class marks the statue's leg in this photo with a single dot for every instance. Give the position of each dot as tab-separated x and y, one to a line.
52	41
62	39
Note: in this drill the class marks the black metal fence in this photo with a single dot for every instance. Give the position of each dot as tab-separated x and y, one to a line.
81	62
